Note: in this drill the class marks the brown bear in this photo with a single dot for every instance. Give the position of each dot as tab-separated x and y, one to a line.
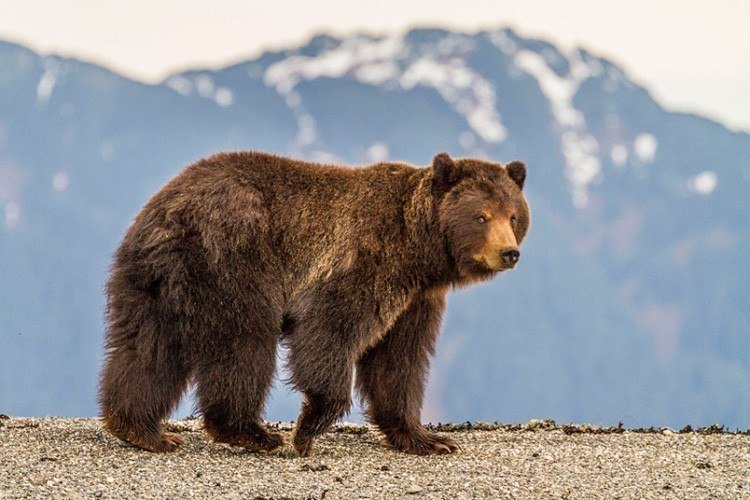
347	267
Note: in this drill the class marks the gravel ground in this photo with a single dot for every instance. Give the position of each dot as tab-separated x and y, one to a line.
54	458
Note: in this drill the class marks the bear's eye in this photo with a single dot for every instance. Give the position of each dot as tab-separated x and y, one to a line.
481	219
513	220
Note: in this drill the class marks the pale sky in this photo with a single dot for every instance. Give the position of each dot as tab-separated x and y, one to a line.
693	55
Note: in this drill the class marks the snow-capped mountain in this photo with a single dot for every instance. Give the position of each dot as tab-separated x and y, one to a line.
632	301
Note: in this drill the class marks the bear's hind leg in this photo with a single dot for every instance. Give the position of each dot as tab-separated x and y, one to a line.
319	413
143	379
322	371
233	380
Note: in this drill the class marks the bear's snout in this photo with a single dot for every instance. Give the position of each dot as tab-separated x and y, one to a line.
510	256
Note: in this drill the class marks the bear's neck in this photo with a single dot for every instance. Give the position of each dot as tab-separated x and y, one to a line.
431	262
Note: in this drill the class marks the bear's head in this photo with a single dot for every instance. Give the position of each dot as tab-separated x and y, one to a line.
482	213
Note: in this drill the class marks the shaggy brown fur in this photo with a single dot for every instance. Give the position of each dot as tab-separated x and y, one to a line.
347	267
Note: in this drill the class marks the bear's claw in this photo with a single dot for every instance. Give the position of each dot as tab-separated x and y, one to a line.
257	440
303	444
166	443
423	443
267	442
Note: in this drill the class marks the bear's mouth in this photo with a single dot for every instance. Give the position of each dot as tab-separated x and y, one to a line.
479	267
493	267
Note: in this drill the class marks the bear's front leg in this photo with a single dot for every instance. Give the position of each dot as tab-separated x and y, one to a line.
392	377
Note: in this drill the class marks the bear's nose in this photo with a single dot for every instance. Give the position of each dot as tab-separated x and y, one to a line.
510	255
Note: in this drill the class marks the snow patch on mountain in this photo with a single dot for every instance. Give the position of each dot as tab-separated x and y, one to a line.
559	90
377	152
12	214
619	155
224	97
204	86
180	84
470	94
60	181
47	81
353	54
207	89
376	73
580	149
704	183
306	130
645	146
502	40
350	55
390	62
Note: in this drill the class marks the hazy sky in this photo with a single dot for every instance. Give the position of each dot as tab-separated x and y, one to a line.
694	55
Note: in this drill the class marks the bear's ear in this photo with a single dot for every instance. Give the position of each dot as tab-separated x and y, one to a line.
517	171
444	169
